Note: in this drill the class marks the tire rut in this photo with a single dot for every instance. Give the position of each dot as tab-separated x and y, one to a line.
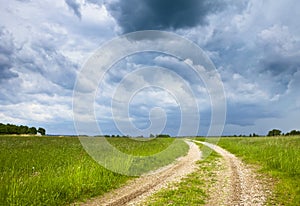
139	189
237	183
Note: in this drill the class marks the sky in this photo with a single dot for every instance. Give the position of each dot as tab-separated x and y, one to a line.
253	44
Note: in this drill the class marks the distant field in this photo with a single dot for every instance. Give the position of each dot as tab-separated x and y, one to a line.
279	158
58	171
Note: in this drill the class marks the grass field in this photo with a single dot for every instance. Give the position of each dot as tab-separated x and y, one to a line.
58	171
279	157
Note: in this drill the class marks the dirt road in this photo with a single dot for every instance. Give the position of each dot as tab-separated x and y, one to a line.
237	183
140	188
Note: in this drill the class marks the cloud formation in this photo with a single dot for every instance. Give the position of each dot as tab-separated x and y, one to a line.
134	15
7	50
74	6
254	45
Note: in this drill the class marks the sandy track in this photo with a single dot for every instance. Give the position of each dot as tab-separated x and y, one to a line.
237	183
139	189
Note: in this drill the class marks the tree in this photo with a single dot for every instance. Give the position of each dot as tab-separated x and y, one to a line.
32	130
41	130
3	129
163	135
23	129
293	133
14	129
274	132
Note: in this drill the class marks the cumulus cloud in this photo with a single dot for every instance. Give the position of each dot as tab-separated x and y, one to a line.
281	53
134	15
39	58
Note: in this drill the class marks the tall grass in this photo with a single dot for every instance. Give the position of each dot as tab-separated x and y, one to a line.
278	156
141	146
54	171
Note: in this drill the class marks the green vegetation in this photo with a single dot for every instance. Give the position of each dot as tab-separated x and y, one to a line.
142	146
57	170
293	133
134	157
279	157
163	135
274	132
41	130
193	189
14	129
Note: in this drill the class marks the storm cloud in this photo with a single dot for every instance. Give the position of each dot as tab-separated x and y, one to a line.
134	15
7	49
254	45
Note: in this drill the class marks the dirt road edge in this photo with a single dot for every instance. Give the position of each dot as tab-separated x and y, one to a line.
238	184
139	189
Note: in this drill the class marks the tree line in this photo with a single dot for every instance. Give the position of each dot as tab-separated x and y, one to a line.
277	132
15	129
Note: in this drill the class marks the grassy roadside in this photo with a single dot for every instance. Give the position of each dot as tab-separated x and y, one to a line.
58	171
279	157
192	190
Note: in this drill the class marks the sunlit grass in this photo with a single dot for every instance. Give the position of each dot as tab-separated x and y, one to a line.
58	171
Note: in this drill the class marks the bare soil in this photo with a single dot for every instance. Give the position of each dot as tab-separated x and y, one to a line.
237	183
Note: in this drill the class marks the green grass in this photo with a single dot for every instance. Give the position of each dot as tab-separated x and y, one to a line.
279	157
58	171
141	147
193	189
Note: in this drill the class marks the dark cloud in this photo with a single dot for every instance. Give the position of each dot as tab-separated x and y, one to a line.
40	56
247	114
134	15
97	2
50	63
74	6
280	65
7	49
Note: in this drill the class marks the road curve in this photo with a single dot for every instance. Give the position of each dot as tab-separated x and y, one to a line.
139	189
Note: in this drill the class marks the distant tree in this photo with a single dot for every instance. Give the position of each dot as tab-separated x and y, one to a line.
32	130
23	130
274	132
293	133
41	130
163	135
14	129
3	129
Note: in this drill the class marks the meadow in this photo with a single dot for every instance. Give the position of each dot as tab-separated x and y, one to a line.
278	158
58	171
